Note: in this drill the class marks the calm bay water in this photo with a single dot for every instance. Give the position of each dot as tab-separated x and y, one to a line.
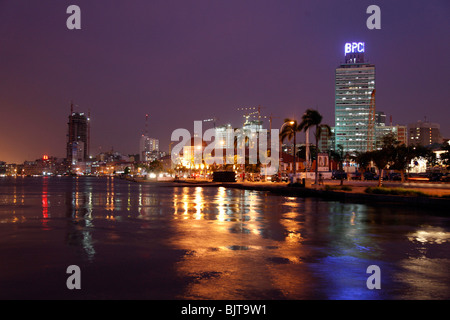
147	241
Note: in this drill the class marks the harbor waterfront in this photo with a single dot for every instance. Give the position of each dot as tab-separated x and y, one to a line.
166	241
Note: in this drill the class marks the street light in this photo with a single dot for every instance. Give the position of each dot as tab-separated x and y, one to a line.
291	123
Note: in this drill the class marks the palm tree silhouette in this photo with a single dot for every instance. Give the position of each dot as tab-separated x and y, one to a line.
289	131
312	118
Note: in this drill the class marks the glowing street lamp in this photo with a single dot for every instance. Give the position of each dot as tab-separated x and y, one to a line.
291	123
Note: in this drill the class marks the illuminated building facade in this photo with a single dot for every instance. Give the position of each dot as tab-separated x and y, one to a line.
424	133
325	140
355	101
148	148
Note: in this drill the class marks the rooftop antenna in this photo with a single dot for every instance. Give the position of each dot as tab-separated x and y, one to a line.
146	125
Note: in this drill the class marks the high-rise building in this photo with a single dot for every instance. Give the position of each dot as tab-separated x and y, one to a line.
77	149
355	101
148	147
424	133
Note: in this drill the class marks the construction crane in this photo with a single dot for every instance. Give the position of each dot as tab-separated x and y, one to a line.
256	112
213	120
251	112
248	112
271	117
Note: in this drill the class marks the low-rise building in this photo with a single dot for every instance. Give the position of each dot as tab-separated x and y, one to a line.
424	133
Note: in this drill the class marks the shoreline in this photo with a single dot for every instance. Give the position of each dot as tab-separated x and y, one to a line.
437	196
359	196
353	197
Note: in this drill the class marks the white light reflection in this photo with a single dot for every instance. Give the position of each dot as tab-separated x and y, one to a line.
199	203
221	199
129	198
175	206
252	201
430	235
186	203
110	194
289	222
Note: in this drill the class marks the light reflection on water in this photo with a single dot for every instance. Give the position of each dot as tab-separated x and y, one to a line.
216	243
429	234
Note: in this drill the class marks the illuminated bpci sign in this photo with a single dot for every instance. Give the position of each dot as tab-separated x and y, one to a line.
354	47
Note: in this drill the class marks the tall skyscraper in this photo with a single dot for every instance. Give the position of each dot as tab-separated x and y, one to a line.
77	137
148	147
355	101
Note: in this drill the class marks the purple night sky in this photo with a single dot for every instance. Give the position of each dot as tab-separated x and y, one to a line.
186	60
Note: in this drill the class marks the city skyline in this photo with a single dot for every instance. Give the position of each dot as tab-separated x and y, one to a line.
190	61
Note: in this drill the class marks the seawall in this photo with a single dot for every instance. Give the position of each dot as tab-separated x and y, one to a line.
355	197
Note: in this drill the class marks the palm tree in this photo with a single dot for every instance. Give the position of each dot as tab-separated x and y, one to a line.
289	130
382	159
363	159
402	157
312	118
